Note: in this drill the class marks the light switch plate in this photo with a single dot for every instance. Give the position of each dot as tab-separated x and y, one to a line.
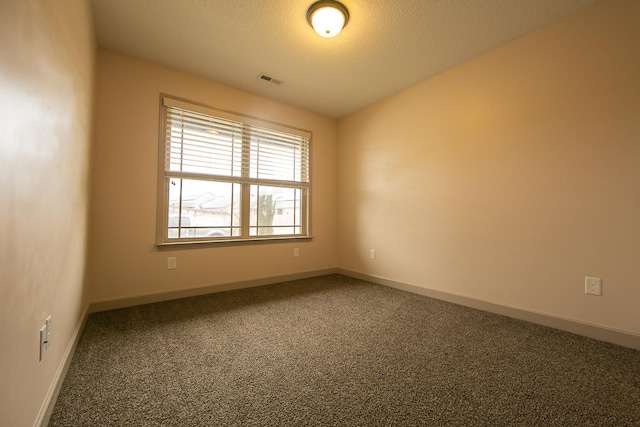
43	341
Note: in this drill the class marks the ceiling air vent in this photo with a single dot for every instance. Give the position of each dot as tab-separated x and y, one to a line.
268	78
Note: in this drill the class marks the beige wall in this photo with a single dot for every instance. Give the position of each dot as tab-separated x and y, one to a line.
511	177
124	261
46	71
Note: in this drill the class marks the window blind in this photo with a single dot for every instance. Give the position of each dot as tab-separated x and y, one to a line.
205	144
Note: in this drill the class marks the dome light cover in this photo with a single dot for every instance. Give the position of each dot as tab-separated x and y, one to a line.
328	17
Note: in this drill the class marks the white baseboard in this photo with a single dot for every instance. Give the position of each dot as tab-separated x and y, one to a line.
598	332
112	304
54	389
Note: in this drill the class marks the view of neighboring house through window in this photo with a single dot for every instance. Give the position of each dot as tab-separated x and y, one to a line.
230	177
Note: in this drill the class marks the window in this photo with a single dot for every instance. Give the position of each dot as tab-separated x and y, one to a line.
225	176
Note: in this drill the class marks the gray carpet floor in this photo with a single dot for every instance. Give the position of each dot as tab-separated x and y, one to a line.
338	351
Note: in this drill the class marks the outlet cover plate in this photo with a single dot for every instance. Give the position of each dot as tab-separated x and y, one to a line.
592	286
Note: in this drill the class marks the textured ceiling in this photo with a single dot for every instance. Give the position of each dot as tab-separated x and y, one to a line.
388	45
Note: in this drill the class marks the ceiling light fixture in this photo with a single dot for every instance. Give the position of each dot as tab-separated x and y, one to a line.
328	17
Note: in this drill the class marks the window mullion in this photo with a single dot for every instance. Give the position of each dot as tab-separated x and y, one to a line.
181	169
304	218
245	208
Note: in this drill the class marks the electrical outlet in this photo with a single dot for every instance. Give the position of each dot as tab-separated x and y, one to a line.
372	254
172	263
592	286
296	252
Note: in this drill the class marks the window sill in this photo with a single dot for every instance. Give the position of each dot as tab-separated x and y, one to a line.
231	242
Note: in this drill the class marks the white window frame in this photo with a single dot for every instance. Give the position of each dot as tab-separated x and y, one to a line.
301	184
